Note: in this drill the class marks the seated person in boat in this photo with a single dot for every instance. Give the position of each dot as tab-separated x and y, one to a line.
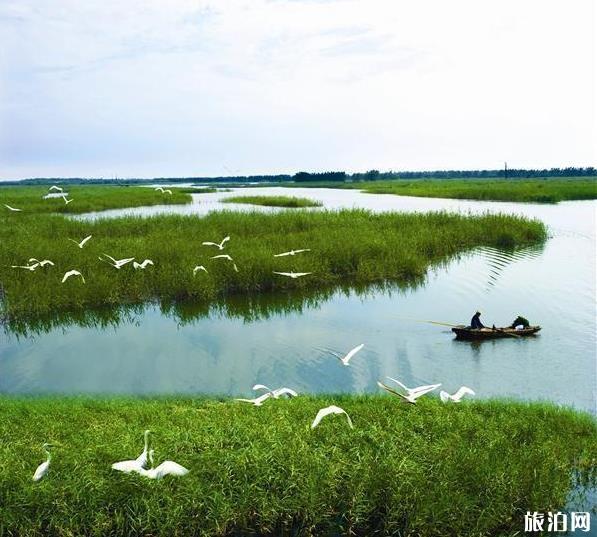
476	322
520	321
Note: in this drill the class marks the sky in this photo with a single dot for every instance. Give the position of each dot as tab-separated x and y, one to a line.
178	88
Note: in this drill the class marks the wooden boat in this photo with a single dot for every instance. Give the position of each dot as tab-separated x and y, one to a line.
465	332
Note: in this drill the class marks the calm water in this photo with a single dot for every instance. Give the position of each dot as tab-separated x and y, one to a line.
285	340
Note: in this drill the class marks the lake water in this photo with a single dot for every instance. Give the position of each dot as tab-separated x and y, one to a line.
286	339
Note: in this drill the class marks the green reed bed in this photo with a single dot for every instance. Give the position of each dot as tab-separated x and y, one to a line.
347	247
524	190
274	201
204	189
86	198
425	470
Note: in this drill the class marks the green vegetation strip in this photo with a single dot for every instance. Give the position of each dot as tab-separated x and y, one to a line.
274	201
533	190
426	470
347	247
86	198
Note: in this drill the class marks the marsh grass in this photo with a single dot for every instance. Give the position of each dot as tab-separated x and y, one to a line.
424	470
203	190
274	201
85	198
523	190
347	247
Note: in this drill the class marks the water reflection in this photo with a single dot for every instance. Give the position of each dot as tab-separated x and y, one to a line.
245	307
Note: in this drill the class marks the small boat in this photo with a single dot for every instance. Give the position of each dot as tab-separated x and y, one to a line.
465	332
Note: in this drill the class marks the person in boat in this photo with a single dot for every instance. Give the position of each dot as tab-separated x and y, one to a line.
520	321
476	322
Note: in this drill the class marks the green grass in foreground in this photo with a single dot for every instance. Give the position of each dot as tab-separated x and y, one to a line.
274	201
347	247
424	470
86	198
525	190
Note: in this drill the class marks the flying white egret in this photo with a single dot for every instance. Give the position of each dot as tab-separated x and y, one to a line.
70	273
116	263
136	464
411	397
164	469
462	391
417	389
333	409
292	252
284	391
258	401
350	354
82	243
220	245
142	265
54	187
276	393
44	467
198	268
12	208
41	263
293	275
226	256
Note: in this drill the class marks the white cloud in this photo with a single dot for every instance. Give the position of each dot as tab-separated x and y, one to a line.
189	87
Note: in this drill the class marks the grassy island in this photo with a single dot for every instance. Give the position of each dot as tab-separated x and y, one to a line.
274	201
346	247
523	190
30	199
425	470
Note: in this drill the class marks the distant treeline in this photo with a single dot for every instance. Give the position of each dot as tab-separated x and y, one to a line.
335	176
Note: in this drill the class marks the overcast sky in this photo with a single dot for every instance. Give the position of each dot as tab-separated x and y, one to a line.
146	88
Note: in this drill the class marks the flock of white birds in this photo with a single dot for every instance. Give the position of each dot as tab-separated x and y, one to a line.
119	263
139	465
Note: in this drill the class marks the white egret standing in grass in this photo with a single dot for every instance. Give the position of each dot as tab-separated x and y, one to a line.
462	391
82	243
220	245
258	401
226	256
198	268
164	469
159	189
142	265
116	263
14	209
70	273
65	198
426	388
293	275
44	467
292	252
411	397
350	354
139	463
333	409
